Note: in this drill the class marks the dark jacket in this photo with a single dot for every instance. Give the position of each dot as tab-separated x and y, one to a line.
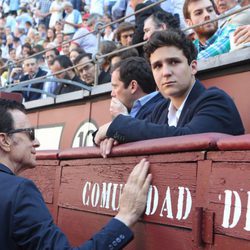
29	95
205	110
63	88
27	224
147	109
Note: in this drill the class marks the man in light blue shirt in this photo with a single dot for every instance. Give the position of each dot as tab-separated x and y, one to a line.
133	89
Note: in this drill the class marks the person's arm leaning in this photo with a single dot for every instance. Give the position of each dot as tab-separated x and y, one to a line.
242	35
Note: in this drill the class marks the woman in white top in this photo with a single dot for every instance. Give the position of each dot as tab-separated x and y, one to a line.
56	10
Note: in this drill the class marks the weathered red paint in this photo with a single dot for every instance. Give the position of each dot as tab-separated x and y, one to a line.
205	172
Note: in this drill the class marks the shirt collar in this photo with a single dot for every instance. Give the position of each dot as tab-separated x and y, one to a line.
173	113
5	169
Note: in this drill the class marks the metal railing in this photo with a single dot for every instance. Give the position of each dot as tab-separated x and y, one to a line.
96	57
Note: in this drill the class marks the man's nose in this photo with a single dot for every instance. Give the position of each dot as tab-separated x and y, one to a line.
166	70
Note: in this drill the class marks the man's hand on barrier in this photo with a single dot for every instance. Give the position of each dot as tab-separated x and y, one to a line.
106	146
134	195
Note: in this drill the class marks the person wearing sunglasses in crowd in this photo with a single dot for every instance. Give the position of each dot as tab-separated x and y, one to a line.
25	220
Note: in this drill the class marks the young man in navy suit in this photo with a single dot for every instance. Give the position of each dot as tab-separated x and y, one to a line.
133	89
188	108
25	220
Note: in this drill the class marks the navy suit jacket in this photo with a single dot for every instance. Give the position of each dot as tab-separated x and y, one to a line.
146	110
26	223
205	110
28	95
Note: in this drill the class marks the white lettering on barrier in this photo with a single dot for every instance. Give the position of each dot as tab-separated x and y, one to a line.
229	194
181	204
152	190
107	196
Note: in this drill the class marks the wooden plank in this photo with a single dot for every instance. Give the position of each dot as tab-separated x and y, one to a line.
96	188
229	156
147	236
229	198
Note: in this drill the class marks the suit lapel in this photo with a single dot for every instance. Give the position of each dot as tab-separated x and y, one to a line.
196	91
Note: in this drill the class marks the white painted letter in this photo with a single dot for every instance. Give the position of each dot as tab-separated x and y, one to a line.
227	209
114	196
167	205
149	200
84	191
105	195
95	194
181	202
247	227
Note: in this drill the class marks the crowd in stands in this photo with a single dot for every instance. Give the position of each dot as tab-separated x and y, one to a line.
63	33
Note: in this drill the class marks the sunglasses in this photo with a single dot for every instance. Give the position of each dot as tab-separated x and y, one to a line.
29	131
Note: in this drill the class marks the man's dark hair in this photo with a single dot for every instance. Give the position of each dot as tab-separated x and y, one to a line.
125	26
81	56
6	121
186	5
138	69
27	45
175	38
132	52
63	60
163	17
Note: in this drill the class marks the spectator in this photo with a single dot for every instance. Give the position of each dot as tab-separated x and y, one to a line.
56	11
18	47
24	17
211	40
50	37
133	89
72	20
23	210
244	3
124	33
229	6
26	50
86	70
50	86
189	108
32	71
59	40
140	18
160	20
42	12
105	48
60	63
122	8
122	55
96	6
87	41
65	47
74	53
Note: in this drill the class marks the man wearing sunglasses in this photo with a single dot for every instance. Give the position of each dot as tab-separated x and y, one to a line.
25	220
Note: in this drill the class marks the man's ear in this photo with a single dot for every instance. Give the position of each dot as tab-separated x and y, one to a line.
193	66
133	86
5	142
189	22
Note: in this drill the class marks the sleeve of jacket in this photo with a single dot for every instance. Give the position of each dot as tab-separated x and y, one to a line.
33	226
214	111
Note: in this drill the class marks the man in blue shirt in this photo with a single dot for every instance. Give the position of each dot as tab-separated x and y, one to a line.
25	220
133	89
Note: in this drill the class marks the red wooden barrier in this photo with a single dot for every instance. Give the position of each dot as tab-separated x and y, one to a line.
199	198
